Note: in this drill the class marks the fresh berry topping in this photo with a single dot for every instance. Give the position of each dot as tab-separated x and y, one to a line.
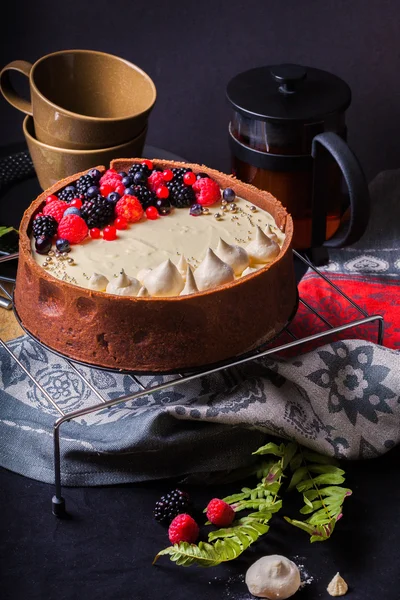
179	172
95	174
228	194
189	178
63	245
84	183
56	209
183	529
107	188
139	168
130	208
171	505
152	213
51	198
201	176
196	210
110	175
77	202
121	223
122	174
207	191
148	164
109	233
67	194
73	229
139	178
180	195
98	212
72	210
127	181
44	226
43	245
92	191
162	192
167	175
94	233
146	196
163	206
155	180
113	197
119	188
220	513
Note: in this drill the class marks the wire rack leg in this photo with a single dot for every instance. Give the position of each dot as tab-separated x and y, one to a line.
58	502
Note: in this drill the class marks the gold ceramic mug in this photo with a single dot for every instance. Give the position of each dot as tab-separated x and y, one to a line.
83	99
53	164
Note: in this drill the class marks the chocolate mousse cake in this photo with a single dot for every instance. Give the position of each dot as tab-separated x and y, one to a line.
154	266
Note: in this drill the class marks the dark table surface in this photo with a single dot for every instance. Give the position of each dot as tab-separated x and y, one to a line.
106	546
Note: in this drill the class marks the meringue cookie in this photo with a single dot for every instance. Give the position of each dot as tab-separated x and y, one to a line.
338	586
212	272
271	234
143	293
98	282
142	274
274	577
190	285
234	256
165	280
182	266
262	249
123	285
251	270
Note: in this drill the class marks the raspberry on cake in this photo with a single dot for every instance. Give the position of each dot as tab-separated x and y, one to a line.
205	283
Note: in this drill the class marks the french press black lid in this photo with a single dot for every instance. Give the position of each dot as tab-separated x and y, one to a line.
288	92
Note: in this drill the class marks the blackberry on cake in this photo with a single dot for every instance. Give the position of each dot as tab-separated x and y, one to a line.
145	196
84	183
97	212
139	168
172	504
180	194
44	226
68	193
179	172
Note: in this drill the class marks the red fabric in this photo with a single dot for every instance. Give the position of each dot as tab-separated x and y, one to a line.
376	295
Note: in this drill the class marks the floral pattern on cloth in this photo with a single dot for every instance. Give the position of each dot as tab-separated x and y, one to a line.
341	400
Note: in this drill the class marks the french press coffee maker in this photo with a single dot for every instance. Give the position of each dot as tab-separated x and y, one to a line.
288	136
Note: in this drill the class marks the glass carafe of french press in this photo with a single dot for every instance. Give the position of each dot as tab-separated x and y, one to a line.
288	136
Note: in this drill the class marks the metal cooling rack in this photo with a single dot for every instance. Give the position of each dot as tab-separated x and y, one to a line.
58	502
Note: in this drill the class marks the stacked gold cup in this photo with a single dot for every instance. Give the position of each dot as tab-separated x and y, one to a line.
86	108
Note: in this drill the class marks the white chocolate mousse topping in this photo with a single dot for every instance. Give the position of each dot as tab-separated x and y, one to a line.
190	283
262	249
273	577
164	281
123	285
233	255
98	282
182	266
143	292
212	272
271	234
234	231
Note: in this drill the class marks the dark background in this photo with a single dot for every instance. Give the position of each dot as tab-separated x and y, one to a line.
192	49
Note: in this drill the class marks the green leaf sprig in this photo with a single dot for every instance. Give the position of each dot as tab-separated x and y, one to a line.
322	496
4	230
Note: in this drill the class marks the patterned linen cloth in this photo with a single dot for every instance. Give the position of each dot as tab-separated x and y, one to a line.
342	399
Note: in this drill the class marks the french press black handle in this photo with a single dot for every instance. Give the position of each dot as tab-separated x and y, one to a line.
357	189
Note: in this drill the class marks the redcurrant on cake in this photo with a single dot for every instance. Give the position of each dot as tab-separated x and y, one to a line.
154	266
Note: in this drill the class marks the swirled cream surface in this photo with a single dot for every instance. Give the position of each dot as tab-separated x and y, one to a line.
148	243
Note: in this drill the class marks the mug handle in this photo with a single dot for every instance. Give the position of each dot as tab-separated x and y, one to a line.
356	185
7	89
